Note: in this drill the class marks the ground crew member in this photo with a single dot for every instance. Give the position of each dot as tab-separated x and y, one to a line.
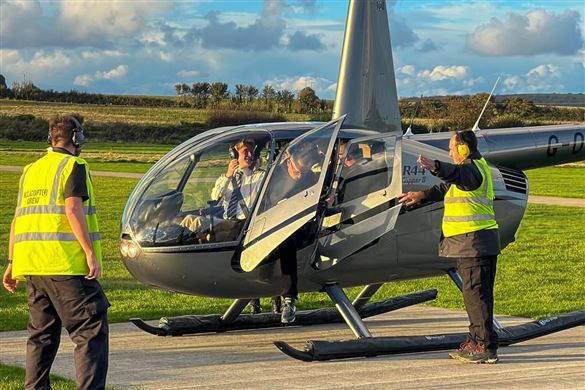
470	234
55	247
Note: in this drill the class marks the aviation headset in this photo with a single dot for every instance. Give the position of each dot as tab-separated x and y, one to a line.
77	137
462	147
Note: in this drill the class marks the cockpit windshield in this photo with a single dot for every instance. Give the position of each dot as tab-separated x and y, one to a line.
205	195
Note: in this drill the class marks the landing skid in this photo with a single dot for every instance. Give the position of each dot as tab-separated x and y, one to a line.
375	346
178	326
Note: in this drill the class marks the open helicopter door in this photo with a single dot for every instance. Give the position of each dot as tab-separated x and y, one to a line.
291	194
367	184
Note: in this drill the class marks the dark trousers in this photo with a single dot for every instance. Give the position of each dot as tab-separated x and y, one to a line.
478	275
288	268
80	306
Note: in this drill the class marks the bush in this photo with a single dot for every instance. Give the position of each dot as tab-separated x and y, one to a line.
30	128
23	127
219	118
505	121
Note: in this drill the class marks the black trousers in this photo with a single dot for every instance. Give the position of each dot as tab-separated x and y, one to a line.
288	267
478	275
80	306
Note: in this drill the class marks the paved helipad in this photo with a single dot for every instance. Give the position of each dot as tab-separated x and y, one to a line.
249	360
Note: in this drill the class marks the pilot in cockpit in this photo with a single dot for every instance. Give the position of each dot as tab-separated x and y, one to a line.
236	190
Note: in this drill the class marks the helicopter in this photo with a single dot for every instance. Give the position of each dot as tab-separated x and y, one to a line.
360	235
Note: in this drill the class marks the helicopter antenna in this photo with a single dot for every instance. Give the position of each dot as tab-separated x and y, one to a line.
476	125
409	132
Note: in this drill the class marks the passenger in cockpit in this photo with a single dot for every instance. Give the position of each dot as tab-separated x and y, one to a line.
236	190
295	174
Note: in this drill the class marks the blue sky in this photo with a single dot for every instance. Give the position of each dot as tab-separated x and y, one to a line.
145	47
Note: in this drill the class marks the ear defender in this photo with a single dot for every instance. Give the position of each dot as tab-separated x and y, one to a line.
77	137
462	147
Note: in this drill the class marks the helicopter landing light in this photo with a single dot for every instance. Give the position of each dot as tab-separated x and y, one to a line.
128	249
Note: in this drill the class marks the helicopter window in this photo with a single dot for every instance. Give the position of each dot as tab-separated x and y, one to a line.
194	202
298	168
367	168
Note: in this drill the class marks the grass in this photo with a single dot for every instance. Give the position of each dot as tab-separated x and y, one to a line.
13	378
563	181
539	275
107	114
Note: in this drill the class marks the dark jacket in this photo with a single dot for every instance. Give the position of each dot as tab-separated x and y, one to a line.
467	178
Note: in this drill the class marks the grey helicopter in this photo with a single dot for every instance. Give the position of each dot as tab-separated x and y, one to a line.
358	232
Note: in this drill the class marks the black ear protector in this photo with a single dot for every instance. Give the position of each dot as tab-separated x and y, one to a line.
462	147
77	137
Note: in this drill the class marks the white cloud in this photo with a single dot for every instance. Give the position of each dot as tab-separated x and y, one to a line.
320	85
117	72
408	70
166	56
543	71
95	55
154	37
187	74
510	83
536	32
50	61
471	82
75	23
441	72
83	79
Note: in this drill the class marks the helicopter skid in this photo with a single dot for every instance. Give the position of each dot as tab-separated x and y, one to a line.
373	346
191	324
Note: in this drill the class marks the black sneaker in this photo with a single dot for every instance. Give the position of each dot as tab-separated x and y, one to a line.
288	311
480	355
464	349
276	305
255	307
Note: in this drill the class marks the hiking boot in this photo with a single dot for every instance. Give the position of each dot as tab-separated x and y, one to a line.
480	355
276	305
288	311
255	307
464	349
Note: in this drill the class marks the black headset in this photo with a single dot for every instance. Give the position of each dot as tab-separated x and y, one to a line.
77	137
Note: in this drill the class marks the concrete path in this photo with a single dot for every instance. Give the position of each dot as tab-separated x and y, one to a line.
548	200
249	360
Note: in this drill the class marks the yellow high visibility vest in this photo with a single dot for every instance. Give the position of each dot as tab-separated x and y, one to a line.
44	243
470	211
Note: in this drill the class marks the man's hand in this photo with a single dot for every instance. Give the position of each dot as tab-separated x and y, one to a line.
426	163
411	198
233	165
95	270
9	283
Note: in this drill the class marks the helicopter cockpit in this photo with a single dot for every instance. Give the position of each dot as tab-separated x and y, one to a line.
186	202
193	200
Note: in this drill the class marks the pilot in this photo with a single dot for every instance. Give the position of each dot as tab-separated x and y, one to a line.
296	175
236	190
470	234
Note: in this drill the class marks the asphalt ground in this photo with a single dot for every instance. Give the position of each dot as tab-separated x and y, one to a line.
249	360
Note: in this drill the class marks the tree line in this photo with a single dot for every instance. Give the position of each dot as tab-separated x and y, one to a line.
432	114
202	95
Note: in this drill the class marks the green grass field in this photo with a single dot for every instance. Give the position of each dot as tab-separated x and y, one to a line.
563	180
539	275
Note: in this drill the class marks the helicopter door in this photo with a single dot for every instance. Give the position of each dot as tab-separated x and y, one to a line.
291	194
367	184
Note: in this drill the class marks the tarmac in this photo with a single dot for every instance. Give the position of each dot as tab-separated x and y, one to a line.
249	360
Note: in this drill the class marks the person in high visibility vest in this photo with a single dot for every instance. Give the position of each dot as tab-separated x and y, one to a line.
469	234
55	246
